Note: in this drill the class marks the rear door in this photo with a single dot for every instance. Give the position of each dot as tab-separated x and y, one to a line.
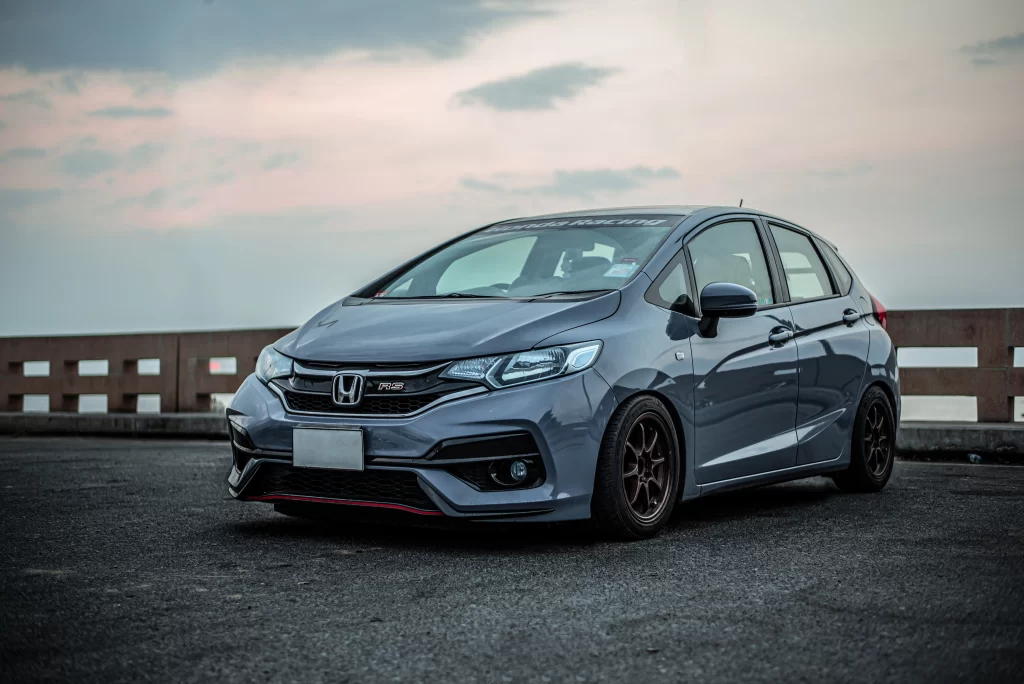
745	377
832	343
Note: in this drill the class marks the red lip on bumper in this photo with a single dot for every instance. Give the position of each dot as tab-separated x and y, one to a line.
342	502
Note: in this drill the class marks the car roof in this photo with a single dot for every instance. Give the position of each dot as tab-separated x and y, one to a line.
681	210
666	209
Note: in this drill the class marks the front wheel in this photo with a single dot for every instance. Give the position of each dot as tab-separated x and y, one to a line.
638	471
873	449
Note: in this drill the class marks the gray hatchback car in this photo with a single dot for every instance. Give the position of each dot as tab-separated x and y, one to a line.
600	365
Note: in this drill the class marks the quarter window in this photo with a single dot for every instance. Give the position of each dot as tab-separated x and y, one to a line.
838	267
732	253
806	275
671	289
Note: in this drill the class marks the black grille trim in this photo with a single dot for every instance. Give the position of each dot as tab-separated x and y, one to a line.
378	406
399	487
313	395
485	446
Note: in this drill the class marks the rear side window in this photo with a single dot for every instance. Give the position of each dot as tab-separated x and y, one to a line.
838	267
806	274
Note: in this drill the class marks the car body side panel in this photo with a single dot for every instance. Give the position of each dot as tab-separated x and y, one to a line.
745	398
882	368
880	360
639	356
832	362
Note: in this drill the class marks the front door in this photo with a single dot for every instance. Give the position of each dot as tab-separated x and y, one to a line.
745	377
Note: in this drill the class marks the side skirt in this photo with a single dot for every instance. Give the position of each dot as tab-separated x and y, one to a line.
776	476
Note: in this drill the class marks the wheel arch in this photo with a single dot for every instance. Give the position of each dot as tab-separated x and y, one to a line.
677	423
889	394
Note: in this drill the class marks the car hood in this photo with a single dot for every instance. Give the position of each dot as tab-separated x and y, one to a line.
437	330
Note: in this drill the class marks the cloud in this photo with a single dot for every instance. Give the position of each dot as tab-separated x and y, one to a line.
2	126
86	163
843	172
13	200
143	155
280	160
474	184
72	83
32	97
128	112
221	177
586	183
154	199
146	36
24	153
537	89
583	183
988	52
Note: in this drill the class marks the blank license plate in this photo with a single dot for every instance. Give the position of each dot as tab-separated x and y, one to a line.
321	448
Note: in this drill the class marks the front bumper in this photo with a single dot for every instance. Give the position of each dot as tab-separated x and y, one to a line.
565	417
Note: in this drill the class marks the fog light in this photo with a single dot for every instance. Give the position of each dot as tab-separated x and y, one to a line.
518	471
512	473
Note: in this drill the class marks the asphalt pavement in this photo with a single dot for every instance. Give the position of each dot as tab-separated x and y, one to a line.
128	561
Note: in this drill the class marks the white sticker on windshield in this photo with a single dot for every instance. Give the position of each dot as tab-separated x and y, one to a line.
620	271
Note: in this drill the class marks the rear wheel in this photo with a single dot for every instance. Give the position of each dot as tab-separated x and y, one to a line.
638	471
873	450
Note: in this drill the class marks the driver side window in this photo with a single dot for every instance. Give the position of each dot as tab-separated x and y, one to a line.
732	253
499	263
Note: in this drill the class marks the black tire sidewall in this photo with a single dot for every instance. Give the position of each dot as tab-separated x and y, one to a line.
858	462
610	508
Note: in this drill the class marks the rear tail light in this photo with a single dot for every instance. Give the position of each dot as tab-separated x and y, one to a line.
881	315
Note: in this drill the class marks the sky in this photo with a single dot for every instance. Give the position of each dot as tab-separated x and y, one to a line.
211	164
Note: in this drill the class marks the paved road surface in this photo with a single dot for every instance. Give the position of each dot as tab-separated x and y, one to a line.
127	561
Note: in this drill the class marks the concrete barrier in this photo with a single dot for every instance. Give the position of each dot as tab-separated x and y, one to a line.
981	438
159	425
918	437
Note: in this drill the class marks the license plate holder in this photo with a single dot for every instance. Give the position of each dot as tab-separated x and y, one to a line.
328	448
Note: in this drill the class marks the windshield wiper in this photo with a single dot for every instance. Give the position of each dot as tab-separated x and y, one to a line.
453	295
545	295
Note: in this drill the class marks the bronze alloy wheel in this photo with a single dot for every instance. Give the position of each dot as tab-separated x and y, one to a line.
873	451
877	440
646	472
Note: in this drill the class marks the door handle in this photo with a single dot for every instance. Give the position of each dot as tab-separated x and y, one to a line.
780	336
850	316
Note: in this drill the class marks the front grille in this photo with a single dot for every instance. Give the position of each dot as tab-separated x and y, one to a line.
383	406
375	486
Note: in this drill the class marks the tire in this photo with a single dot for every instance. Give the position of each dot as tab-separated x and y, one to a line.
614	484
872	453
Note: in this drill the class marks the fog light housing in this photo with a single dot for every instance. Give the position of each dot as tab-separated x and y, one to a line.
513	473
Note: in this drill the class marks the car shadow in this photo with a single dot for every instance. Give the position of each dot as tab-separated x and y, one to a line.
774	501
405	531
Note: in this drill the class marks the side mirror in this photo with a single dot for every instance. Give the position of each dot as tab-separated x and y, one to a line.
724	300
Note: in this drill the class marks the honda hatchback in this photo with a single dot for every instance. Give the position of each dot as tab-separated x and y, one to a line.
598	365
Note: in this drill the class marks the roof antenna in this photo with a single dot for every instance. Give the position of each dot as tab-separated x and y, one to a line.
741	201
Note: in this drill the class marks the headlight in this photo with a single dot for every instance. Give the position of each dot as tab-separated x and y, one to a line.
527	366
272	364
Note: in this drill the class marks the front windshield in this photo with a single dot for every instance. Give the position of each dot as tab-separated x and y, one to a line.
535	258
